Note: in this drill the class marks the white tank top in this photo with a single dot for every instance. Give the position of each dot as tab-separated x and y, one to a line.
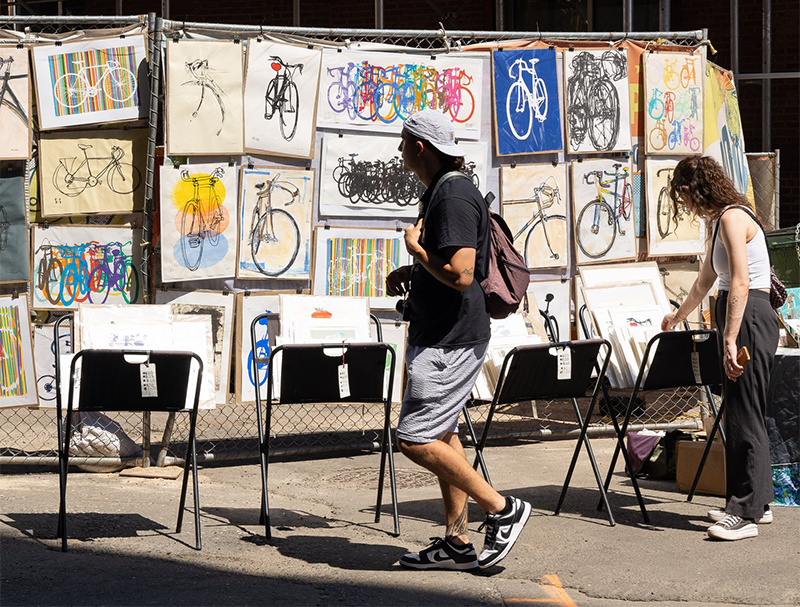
757	259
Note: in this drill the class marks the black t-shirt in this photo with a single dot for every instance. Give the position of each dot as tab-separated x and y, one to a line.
440	315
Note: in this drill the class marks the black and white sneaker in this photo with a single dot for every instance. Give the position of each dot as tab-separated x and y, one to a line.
733	527
502	530
442	554
717	514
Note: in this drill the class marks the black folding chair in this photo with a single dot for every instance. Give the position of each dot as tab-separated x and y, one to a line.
368	383
679	359
112	380
541	372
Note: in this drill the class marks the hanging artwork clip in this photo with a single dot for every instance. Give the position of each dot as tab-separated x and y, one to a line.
15	294
250	164
58	42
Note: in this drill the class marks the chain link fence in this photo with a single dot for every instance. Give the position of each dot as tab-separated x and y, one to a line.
28	436
765	175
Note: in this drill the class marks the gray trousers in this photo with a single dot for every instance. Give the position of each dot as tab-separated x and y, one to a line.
747	460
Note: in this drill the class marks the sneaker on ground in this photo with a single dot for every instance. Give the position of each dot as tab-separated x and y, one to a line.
502	530
717	514
733	527
442	554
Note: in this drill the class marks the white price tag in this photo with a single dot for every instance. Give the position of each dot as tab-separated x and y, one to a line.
147	375
344	382
696	367
565	364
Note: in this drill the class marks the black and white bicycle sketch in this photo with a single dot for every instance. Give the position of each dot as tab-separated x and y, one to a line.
198	71
8	98
544	197
549	320
593	104
667	220
274	236
678	295
73	175
599	220
282	96
524	102
379	182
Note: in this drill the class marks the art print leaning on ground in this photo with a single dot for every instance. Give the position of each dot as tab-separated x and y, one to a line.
205	97
280	98
17	372
91	81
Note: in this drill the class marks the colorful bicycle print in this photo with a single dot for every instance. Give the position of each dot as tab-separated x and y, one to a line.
600	220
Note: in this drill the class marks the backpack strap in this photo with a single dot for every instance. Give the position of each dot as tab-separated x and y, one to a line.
442	180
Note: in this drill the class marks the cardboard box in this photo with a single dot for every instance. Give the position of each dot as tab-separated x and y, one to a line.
712	481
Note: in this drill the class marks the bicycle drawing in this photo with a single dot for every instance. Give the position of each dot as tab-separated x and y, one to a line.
202	217
673	117
600	220
8	98
274	236
530	101
360	274
678	295
107	80
46	384
73	175
594	105
549	320
89	272
198	72
14	363
365	89
667	220
544	196
282	96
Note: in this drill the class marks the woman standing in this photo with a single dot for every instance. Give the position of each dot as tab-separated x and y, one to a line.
737	253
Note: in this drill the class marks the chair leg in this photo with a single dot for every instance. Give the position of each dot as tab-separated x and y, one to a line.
478	447
584	440
717	413
264	475
393	484
620	435
706	451
187	465
64	468
196	495
385	438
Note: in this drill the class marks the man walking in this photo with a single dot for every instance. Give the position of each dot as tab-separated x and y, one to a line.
447	342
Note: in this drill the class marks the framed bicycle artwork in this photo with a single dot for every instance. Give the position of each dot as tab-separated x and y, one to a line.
671	229
14	265
597	101
199	221
91	81
220	307
248	306
275	223
363	176
378	91
280	98
44	353
354	262
205	97
602	208
527	113
16	134
92	172
17	370
533	201
673	93
552	298
93	264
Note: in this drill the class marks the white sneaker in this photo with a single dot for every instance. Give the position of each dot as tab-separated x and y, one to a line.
733	527
717	514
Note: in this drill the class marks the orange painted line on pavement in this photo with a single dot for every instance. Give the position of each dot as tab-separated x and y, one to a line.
553	586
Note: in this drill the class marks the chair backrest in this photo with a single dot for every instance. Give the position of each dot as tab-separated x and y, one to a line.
111	380
672	366
309	373
532	372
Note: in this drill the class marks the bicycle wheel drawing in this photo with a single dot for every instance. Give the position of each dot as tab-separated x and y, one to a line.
518	112
262	352
534	244
98	285
289	110
275	243
657	138
192	236
119	84
213	219
664	214
627	201
540	109
67	182
270	98
384	103
46	387
71	90
341	277
374	280
51	279
604	112
464	107
69	285
130	288
577	118
124	178
596	229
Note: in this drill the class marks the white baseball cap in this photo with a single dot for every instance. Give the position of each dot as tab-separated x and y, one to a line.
436	128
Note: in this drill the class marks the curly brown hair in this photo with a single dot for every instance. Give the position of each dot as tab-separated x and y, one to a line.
704	182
